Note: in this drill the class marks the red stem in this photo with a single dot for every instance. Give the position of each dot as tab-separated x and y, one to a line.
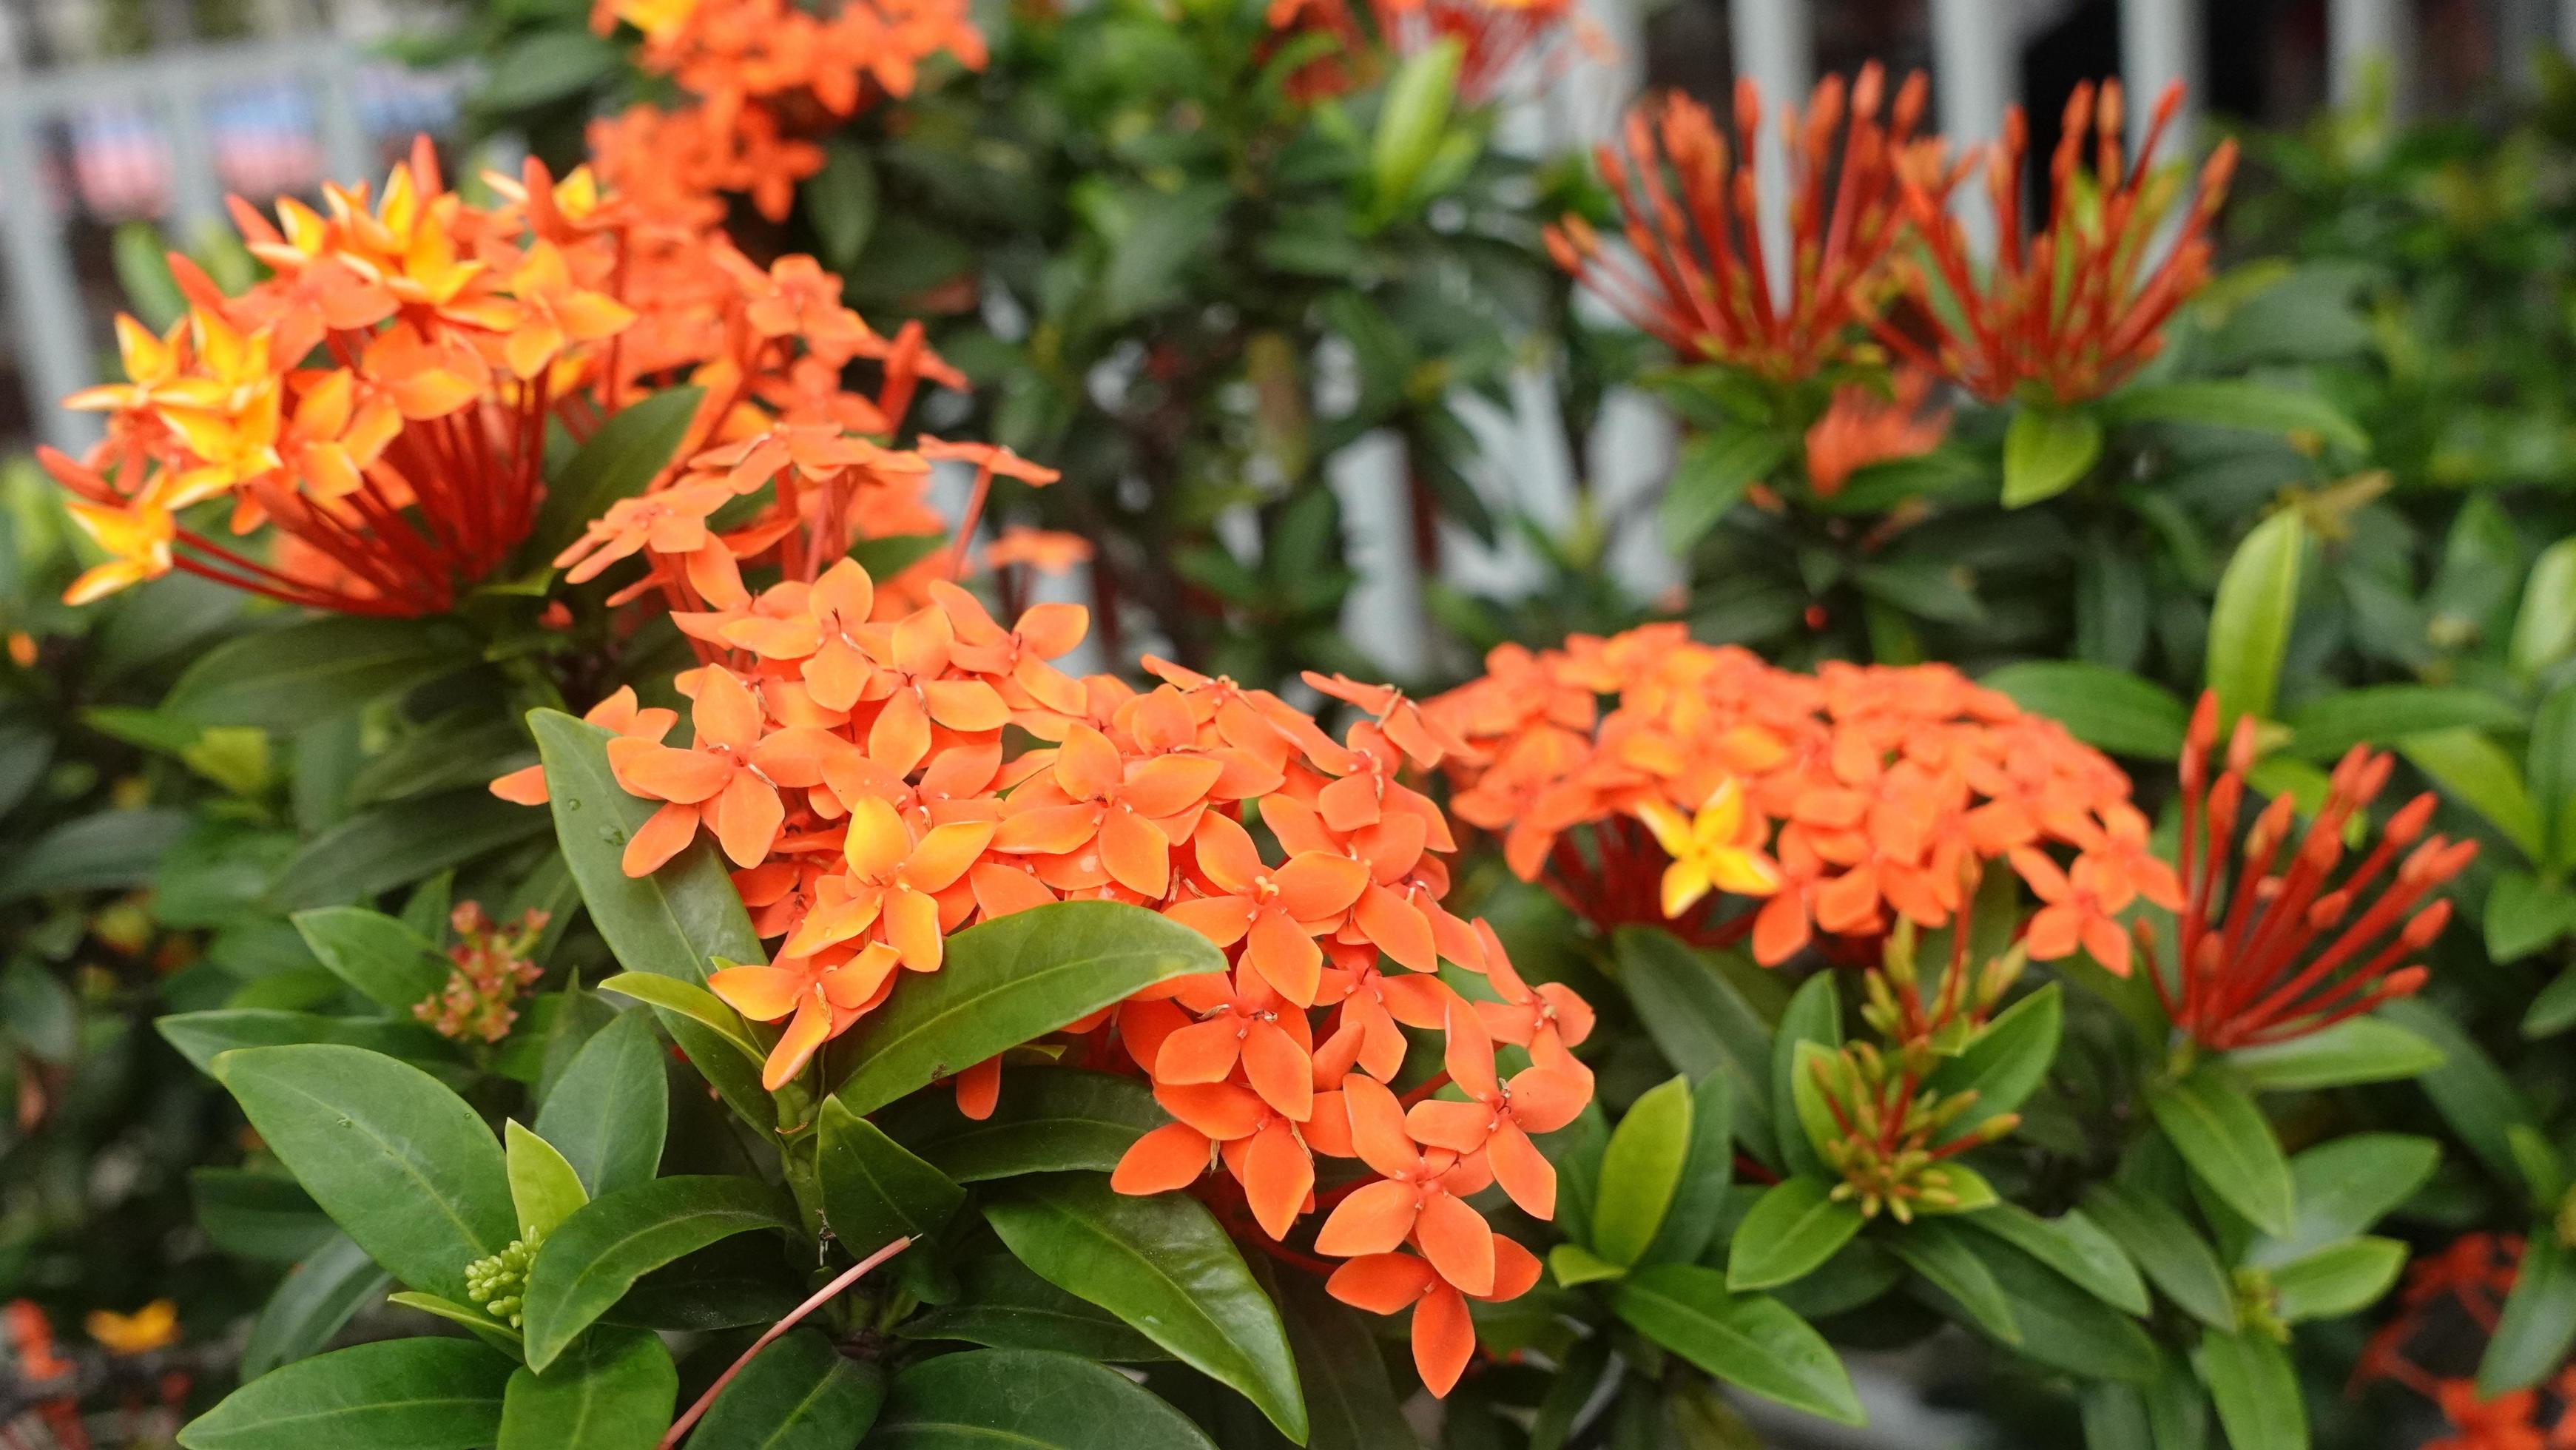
821	1297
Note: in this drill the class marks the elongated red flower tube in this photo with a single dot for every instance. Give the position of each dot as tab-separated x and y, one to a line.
2271	951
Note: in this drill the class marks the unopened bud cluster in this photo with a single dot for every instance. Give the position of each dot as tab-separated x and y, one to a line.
500	1282
488	970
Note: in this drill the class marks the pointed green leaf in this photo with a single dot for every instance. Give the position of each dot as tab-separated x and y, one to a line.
311	1304
1813	1019
608	1112
2539	1321
1641	1170
2344	1186
2004	1064
2062	1326
2356	1050
2046	451
1701	1023
544	1189
2107	709
589	1263
2343	1278
297	674
619	460
1048	1120
2480	774
1795	1225
1936	1250
385	960
2177	1259
2222	1135
1749	1340
615	1394
800	1393
1574	1265
1713	471
874	1190
2075	1246
2256	1390
1026	1399
2249	624
395	1394
1001	1303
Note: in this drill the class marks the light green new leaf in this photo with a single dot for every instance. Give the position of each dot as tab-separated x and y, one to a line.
544	1189
401	1164
395	1394
1812	1020
2544	628
1795	1225
2046	451
2249	623
1162	1264
2343	1278
2480	774
1640	1171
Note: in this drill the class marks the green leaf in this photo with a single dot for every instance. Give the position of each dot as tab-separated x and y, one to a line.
874	1190
2554	1010
112	849
2326	727
1713	471
1048	1120
2343	1278
673	923
1574	1265
2046	451
394	845
1707	1173
2474	1096
696	1003
1936	1250
2176	1258
395	1394
201	1037
311	1304
1026	1399
1349	1397
483	1326
1162	1264
2249	623
616	1394
266	1217
2063	1327
620	460
544	1189
2552	766
307	671
801	1393
1701	1023
1749	1340
2107	709
2544	628
1641	1170
1001	1303
1813	1018
2525	913
2073	1245
2355	1050
1011	981
2238	403
2221	1134
401	1164
1795	1225
1410	123
544	67
2539	1321
142	263
2475	771
841	201
2344	1187
2004	1064
589	1263
381	957
610	1109
2255	1389
886	557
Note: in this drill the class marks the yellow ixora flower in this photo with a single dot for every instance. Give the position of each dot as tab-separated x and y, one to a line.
154	1326
1716	848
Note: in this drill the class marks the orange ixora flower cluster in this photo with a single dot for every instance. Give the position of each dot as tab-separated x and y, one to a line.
1863	427
766	77
1890	787
857	771
2072	312
1701	279
383	399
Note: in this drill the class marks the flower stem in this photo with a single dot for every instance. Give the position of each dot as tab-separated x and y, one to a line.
822	1296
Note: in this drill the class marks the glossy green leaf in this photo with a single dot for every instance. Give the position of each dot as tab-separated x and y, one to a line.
2073	1245
383	959
2107	709
2355	1050
674	923
2238	403
619	460
1026	1399
801	1393
1163	1265
262	1216
2004	1064
2340	1279
1410	123
544	1189
1701	1023
609	1110
401	1164
1048	1120
615	1393
2222	1135
1936	1249
2256	1390
310	1305
689	1000
2249	624
589	1263
466	1316
1641	1170
1001	1303
1351	1402
1795	1225
1707	1172
286	678
1574	1265
1011	981
2177	1260
2046	451
2382	715
2475	771
2539	1322
2063	1327
2474	1096
1814	1016
2525	913
201	1037
1712	473
875	1190
2544	627
1749	1340
395	1394
394	845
